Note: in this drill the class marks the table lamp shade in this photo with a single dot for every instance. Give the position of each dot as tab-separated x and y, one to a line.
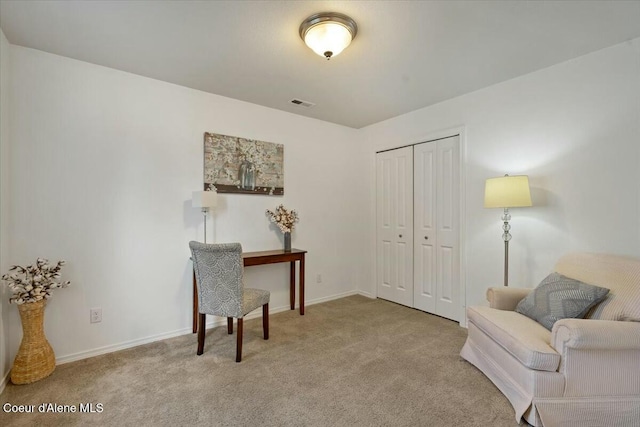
204	199
507	192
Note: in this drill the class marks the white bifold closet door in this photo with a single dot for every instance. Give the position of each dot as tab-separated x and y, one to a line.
395	225
436	252
418	254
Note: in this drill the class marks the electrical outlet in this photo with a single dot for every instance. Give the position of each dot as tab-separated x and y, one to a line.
95	315
319	278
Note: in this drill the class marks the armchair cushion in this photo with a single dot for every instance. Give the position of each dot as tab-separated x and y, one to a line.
525	339
559	297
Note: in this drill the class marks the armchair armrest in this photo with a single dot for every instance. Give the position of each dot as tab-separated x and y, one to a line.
598	357
506	298
591	334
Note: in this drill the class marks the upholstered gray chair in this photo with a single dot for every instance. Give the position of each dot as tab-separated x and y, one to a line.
221	290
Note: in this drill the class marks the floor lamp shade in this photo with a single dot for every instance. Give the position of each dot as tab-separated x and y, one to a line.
507	192
204	199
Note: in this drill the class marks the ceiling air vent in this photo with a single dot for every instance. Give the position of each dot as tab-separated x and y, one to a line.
302	103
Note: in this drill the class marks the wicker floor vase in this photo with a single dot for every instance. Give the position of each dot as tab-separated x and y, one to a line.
35	359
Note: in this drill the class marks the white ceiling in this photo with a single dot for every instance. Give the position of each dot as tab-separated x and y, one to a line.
407	54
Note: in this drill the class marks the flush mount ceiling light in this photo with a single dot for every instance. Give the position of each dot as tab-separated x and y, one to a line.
328	33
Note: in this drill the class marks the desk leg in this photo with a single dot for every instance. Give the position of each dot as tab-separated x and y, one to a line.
292	284
195	304
302	285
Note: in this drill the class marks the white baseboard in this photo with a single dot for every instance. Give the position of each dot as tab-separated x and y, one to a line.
120	346
366	294
158	337
330	298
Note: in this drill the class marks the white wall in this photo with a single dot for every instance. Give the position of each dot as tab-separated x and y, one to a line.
105	163
574	128
5	361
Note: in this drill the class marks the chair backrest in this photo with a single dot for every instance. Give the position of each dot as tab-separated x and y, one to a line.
619	274
218	269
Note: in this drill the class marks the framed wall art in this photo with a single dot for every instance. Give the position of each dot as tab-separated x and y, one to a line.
239	165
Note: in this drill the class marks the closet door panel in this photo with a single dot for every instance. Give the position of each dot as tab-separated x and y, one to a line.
445	273
424	260
403	292
395	225
385	273
448	234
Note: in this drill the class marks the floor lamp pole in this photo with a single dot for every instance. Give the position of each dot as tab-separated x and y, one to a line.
506	236
204	213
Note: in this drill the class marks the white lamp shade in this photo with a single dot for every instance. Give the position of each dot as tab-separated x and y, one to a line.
507	192
328	37
204	199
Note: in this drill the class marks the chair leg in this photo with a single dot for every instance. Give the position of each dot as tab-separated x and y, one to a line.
265	321
239	343
230	325
201	327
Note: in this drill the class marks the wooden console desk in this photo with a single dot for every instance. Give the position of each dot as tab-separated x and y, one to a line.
262	258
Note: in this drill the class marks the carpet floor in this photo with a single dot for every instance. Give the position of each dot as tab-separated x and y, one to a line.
348	362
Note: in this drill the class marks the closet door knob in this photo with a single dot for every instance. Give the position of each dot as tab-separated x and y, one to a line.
426	237
400	236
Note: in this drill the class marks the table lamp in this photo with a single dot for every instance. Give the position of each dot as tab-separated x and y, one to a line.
204	200
507	192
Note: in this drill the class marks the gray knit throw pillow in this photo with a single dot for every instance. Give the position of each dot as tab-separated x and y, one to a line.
559	297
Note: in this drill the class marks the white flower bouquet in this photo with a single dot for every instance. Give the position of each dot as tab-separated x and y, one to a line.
34	282
283	218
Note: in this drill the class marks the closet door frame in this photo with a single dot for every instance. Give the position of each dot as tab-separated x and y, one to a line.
430	137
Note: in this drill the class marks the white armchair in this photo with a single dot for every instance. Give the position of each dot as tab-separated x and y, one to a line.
585	372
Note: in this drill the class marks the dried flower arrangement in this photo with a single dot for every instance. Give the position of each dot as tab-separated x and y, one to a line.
34	282
283	218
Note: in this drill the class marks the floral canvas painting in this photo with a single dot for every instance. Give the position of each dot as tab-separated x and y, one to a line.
240	165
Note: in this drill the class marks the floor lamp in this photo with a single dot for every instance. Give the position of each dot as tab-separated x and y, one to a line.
507	192
204	200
